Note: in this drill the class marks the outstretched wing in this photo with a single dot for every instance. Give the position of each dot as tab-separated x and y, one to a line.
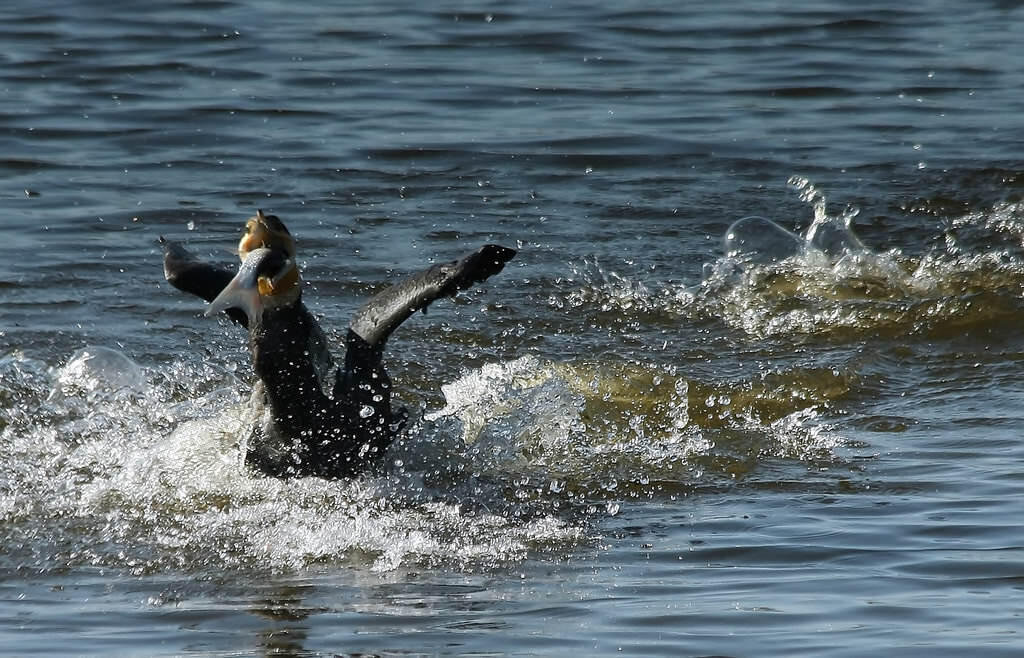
386	310
189	274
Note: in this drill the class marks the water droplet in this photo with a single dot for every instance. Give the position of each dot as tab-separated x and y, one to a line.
366	411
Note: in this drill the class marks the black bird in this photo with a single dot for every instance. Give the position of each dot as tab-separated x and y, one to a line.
317	419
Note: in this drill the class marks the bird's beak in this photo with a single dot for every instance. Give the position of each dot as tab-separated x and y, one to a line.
243	291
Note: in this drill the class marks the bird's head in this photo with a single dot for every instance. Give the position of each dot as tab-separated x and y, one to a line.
265	231
268	276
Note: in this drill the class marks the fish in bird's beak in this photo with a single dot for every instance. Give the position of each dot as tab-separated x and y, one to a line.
267	277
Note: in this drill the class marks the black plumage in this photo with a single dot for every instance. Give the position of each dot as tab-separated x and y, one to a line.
317	419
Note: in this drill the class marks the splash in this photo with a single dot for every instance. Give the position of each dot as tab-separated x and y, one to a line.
617	428
96	371
106	464
828	248
831	235
827	281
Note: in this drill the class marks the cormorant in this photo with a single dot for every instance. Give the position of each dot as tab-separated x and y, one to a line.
317	419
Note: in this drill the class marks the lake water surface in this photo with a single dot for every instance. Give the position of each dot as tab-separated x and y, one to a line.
656	433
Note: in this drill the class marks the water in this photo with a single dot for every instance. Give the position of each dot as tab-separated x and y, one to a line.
665	429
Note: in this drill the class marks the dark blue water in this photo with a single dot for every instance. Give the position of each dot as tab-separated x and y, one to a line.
652	434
